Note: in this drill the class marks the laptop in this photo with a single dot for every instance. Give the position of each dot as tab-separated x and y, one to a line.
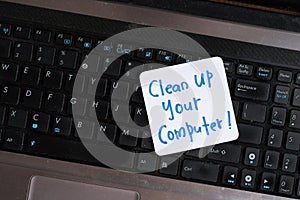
45	44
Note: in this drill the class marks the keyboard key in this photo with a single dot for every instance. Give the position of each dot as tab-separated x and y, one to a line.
226	153
248	178
251	156
10	95
271	160
229	67
2	114
120	112
275	138
252	90
9	71
62	126
282	94
70	81
200	170
53	79
45	55
57	147
54	102
146	162
169	165
147	142
264	73
133	69
165	56
5	46
286	184
278	116
84	129
236	106
140	116
295	119
91	63
96	87
78	105
285	76
68	59
230	175
64	39
32	98
42	35
5	30
23	52
289	163
17	118
112	69
268	181
84	43
137	96
128	137
120	89
244	69
293	141
298	189
101	108
144	53
121	48
31	75
250	134
298	79
40	122
106	131
254	112
22	32
296	97
14	140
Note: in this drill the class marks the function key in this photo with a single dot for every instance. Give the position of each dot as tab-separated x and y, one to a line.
144	53
268	181
84	43
164	56
22	32
285	76
64	39
286	184
183	58
42	36
5	30
123	48
264	73
229	66
244	69
298	79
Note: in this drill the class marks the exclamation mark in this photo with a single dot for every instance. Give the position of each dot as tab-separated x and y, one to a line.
229	119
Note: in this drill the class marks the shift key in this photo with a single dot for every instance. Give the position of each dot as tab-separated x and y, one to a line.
252	90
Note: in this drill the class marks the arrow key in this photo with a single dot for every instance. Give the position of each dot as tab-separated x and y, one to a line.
230	175
268	181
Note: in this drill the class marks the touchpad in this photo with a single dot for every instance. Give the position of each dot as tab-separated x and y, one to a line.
44	188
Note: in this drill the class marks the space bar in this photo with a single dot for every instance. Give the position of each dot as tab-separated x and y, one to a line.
57	147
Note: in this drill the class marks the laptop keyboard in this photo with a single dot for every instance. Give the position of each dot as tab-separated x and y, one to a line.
38	67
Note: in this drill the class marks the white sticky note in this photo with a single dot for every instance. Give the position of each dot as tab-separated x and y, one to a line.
189	106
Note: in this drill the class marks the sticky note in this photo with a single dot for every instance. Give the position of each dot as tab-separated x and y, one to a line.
189	106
